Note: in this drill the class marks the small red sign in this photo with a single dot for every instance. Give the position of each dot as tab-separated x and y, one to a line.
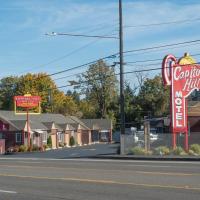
27	101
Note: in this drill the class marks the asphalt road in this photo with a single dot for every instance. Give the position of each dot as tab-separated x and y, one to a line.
74	179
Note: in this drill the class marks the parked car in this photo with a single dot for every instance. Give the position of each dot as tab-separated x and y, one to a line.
153	137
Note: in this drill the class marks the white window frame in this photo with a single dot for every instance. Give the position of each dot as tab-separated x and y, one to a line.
44	137
16	137
60	136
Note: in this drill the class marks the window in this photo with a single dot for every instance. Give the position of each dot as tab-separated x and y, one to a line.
60	136
18	137
44	137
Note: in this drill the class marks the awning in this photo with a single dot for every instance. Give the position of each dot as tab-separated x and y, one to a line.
39	131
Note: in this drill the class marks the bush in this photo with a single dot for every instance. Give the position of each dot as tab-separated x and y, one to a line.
45	146
195	148
49	142
71	141
12	149
179	151
161	150
35	148
61	144
16	148
138	151
23	148
191	152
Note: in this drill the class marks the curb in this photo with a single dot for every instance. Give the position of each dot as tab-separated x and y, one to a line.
155	158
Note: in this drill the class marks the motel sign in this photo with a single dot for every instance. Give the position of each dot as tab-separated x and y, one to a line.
183	77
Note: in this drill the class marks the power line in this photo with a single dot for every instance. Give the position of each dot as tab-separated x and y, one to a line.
156	50
64	56
117	74
162	23
68	54
162	46
115	54
157	59
82	35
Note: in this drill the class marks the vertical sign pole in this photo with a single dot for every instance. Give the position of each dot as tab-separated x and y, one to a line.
122	124
28	132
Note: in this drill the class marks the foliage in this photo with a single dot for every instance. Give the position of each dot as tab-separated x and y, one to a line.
154	97
8	87
87	109
191	152
61	144
178	151
195	148
23	148
161	150
71	141
65	105
45	146
49	142
138	151
99	85
35	148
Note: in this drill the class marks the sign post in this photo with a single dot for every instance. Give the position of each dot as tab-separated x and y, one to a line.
27	102
183	77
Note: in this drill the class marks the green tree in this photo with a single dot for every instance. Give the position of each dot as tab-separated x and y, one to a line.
99	85
8	87
38	84
154	97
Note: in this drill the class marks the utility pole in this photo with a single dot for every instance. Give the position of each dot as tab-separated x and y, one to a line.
50	99
121	62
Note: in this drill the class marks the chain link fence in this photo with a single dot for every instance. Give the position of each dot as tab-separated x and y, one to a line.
153	142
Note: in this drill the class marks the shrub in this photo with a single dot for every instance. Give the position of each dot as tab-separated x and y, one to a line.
45	146
61	144
35	148
16	148
161	150
191	152
138	151
179	151
195	148
49	141
23	148
71	141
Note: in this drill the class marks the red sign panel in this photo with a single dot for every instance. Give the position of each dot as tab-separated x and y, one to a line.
183	78
27	101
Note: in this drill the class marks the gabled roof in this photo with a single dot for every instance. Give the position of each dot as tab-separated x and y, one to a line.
46	120
98	124
19	124
77	121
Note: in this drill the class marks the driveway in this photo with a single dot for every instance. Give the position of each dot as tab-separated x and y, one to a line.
74	152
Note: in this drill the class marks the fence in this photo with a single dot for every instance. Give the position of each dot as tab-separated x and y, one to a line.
153	142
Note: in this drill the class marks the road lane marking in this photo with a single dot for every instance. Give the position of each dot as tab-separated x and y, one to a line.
104	170
7	191
103	160
168	173
108	182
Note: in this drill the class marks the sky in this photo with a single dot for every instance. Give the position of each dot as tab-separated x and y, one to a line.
24	47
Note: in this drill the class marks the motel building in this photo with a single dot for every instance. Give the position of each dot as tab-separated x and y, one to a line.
14	130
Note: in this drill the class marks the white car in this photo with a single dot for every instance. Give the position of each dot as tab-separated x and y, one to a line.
153	137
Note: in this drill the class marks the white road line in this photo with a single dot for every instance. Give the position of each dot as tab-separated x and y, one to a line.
7	191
